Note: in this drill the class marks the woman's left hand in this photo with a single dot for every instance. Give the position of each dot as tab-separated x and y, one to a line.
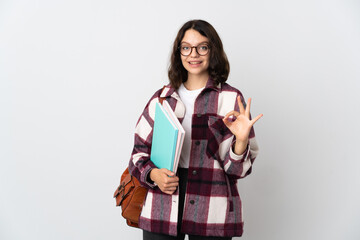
242	125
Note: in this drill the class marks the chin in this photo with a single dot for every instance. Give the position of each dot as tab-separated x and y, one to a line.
196	71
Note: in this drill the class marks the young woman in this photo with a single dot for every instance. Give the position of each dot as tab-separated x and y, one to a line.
202	199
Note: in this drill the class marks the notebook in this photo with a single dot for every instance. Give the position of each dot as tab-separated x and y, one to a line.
180	136
164	139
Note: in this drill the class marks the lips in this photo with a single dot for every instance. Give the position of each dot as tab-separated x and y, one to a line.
195	64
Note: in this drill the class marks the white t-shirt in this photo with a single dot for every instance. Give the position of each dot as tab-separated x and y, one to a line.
188	98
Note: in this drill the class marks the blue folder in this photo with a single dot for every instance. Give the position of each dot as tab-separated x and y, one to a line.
164	140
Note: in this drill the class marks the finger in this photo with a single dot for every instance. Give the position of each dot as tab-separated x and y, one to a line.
255	119
247	110
168	172
170	180
174	179
227	122
241	106
169	192
170	188
171	185
232	113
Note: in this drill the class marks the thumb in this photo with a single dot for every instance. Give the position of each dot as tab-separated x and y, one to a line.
226	121
168	172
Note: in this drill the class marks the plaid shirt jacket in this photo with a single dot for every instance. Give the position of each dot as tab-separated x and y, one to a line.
212	202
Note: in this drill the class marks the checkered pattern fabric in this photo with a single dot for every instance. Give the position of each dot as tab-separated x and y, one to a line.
212	202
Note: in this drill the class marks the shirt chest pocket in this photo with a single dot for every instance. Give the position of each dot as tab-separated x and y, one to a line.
217	133
217	129
209	127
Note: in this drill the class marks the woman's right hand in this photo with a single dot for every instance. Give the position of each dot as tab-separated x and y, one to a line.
165	179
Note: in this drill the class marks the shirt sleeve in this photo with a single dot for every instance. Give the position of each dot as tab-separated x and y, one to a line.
239	166
140	164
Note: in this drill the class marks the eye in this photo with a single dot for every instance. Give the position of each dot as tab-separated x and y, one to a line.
185	47
203	47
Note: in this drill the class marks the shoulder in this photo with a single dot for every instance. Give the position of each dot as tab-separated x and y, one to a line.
229	92
158	93
164	91
225	87
149	110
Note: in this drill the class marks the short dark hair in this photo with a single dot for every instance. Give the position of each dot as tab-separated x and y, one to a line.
219	67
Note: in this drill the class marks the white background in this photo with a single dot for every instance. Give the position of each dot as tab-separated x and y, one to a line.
76	74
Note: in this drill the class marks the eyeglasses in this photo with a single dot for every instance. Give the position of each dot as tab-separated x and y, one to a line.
186	49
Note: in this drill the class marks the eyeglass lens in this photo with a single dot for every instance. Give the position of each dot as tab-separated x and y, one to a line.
186	49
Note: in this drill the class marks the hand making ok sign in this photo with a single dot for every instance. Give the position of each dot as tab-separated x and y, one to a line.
241	126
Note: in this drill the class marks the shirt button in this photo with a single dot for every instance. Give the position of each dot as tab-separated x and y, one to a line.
198	115
197	142
194	172
192	201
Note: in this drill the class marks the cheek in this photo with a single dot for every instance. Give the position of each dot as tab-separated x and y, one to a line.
184	63
183	60
207	59
207	62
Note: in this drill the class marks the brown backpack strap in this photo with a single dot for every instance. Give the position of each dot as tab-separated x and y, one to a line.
161	99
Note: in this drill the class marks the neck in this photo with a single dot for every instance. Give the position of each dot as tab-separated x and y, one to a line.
196	82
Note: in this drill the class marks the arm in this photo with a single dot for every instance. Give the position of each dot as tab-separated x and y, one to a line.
140	165
243	149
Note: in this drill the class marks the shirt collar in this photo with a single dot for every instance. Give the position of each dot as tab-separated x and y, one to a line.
210	84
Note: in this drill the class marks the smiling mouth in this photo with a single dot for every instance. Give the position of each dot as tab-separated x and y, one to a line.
194	63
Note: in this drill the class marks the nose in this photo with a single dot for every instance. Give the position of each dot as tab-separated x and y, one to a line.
194	52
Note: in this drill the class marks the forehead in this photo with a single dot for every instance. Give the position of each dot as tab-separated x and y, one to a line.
193	37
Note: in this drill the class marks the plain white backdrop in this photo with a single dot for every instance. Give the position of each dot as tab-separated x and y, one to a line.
75	76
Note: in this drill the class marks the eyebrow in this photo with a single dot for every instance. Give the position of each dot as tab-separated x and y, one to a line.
198	43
